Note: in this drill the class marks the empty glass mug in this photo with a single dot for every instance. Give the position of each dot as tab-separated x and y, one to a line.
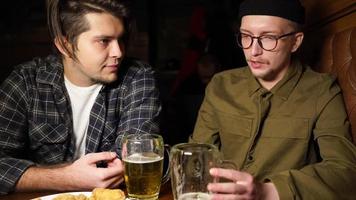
190	164
143	155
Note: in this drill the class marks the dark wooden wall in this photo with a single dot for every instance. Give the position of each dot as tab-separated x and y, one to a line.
330	46
324	18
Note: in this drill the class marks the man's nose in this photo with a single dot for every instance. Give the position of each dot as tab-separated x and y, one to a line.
116	49
256	48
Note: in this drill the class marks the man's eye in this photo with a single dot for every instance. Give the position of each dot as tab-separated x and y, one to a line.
268	37
244	35
104	41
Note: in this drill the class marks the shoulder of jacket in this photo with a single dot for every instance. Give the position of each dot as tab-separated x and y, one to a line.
322	83
136	65
38	64
232	74
319	78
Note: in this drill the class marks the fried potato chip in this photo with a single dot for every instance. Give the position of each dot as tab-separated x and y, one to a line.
107	194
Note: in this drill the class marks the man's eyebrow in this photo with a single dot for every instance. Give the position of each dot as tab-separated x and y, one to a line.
103	37
262	33
269	32
243	30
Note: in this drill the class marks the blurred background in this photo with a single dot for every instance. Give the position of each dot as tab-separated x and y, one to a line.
170	35
185	41
164	31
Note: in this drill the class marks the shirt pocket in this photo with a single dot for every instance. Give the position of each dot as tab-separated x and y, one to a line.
289	128
235	125
47	133
284	144
235	134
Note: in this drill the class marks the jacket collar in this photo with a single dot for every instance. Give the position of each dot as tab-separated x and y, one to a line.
51	71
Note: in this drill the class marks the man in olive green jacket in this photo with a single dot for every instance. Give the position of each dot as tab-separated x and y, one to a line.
283	125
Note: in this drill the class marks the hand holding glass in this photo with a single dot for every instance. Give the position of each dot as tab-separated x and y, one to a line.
190	164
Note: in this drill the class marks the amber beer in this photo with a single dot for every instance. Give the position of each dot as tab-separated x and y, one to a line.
143	172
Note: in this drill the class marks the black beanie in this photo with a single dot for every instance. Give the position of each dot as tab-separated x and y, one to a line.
287	9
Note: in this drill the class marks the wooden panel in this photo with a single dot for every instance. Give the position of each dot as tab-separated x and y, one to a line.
319	10
329	45
325	18
339	25
335	15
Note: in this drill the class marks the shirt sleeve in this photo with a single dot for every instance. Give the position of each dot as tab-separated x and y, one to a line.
141	105
334	176
13	128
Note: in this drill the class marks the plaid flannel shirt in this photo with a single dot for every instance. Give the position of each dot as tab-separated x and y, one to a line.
36	117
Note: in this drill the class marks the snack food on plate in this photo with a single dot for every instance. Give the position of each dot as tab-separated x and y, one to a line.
107	194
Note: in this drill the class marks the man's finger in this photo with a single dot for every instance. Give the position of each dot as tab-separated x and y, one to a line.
102	156
227	197
230	174
113	171
227	188
115	163
116	183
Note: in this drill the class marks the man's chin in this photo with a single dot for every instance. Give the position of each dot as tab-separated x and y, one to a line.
105	81
259	74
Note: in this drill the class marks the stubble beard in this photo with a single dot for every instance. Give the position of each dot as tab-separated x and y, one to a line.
105	81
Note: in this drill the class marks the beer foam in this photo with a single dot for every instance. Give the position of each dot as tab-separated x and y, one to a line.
143	158
194	196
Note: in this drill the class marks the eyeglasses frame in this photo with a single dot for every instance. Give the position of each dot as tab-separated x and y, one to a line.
259	39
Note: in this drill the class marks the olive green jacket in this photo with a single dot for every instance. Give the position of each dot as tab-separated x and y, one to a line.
296	135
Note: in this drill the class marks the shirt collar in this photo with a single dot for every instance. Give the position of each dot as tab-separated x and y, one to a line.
253	84
284	87
50	70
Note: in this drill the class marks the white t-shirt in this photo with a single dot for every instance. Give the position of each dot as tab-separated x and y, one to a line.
82	100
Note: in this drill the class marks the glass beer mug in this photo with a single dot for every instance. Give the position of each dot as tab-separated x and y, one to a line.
190	164
143	155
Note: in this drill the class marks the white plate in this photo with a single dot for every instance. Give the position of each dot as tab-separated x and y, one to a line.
50	197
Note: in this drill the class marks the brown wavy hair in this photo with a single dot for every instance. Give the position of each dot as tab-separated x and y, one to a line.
66	19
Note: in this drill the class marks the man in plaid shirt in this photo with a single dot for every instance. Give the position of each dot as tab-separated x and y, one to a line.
61	117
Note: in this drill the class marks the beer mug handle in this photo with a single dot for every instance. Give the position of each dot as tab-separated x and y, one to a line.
166	176
228	164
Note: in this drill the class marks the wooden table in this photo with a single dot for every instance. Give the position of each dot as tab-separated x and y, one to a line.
165	194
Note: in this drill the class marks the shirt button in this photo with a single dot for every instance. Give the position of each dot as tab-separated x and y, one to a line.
250	158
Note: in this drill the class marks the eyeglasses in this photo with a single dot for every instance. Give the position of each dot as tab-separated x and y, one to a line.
266	42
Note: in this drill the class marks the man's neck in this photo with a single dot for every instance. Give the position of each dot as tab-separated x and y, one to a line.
270	82
75	74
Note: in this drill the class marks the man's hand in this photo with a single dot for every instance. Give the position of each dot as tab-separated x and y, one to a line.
242	186
86	175
83	174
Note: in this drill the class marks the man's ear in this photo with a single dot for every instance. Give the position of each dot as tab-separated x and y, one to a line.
298	41
62	46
